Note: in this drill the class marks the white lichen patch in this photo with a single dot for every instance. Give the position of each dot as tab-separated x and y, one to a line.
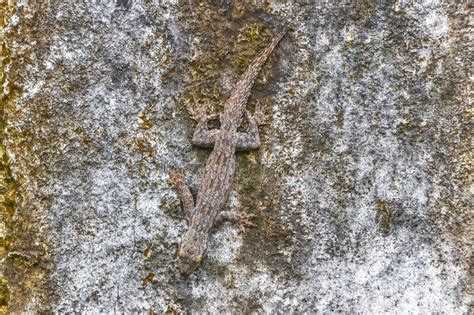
437	23
224	246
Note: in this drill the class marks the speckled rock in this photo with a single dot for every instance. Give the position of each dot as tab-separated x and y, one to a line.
361	187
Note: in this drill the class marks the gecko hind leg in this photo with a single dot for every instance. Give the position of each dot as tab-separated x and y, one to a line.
242	220
177	181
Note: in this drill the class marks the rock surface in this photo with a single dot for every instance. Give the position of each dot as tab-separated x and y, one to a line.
361	187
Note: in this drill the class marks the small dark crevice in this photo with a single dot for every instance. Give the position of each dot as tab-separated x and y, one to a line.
124	4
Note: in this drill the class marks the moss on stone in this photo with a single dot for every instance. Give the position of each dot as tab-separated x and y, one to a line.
7	183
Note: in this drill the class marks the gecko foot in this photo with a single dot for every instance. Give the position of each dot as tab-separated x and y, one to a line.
176	178
244	220
259	116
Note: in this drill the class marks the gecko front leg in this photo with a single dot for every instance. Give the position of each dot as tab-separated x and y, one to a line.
177	181
203	137
251	139
242	220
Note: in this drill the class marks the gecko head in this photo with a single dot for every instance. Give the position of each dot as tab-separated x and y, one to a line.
191	252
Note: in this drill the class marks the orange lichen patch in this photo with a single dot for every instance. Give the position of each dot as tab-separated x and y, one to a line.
149	278
145	123
170	309
145	146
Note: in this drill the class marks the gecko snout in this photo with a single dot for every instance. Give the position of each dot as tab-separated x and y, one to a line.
187	266
188	262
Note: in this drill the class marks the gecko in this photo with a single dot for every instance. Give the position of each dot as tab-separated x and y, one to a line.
216	184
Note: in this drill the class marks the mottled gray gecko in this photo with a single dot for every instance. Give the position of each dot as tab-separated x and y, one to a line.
220	167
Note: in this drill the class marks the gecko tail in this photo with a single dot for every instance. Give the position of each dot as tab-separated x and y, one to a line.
253	69
241	91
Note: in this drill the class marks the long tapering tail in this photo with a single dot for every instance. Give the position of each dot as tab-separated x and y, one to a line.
253	69
241	91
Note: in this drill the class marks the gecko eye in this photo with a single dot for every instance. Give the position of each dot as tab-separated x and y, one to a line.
198	260
180	253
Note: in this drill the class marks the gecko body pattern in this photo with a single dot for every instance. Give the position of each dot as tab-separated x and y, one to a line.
216	184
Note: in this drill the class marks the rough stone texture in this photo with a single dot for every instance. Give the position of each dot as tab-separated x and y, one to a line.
361	188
